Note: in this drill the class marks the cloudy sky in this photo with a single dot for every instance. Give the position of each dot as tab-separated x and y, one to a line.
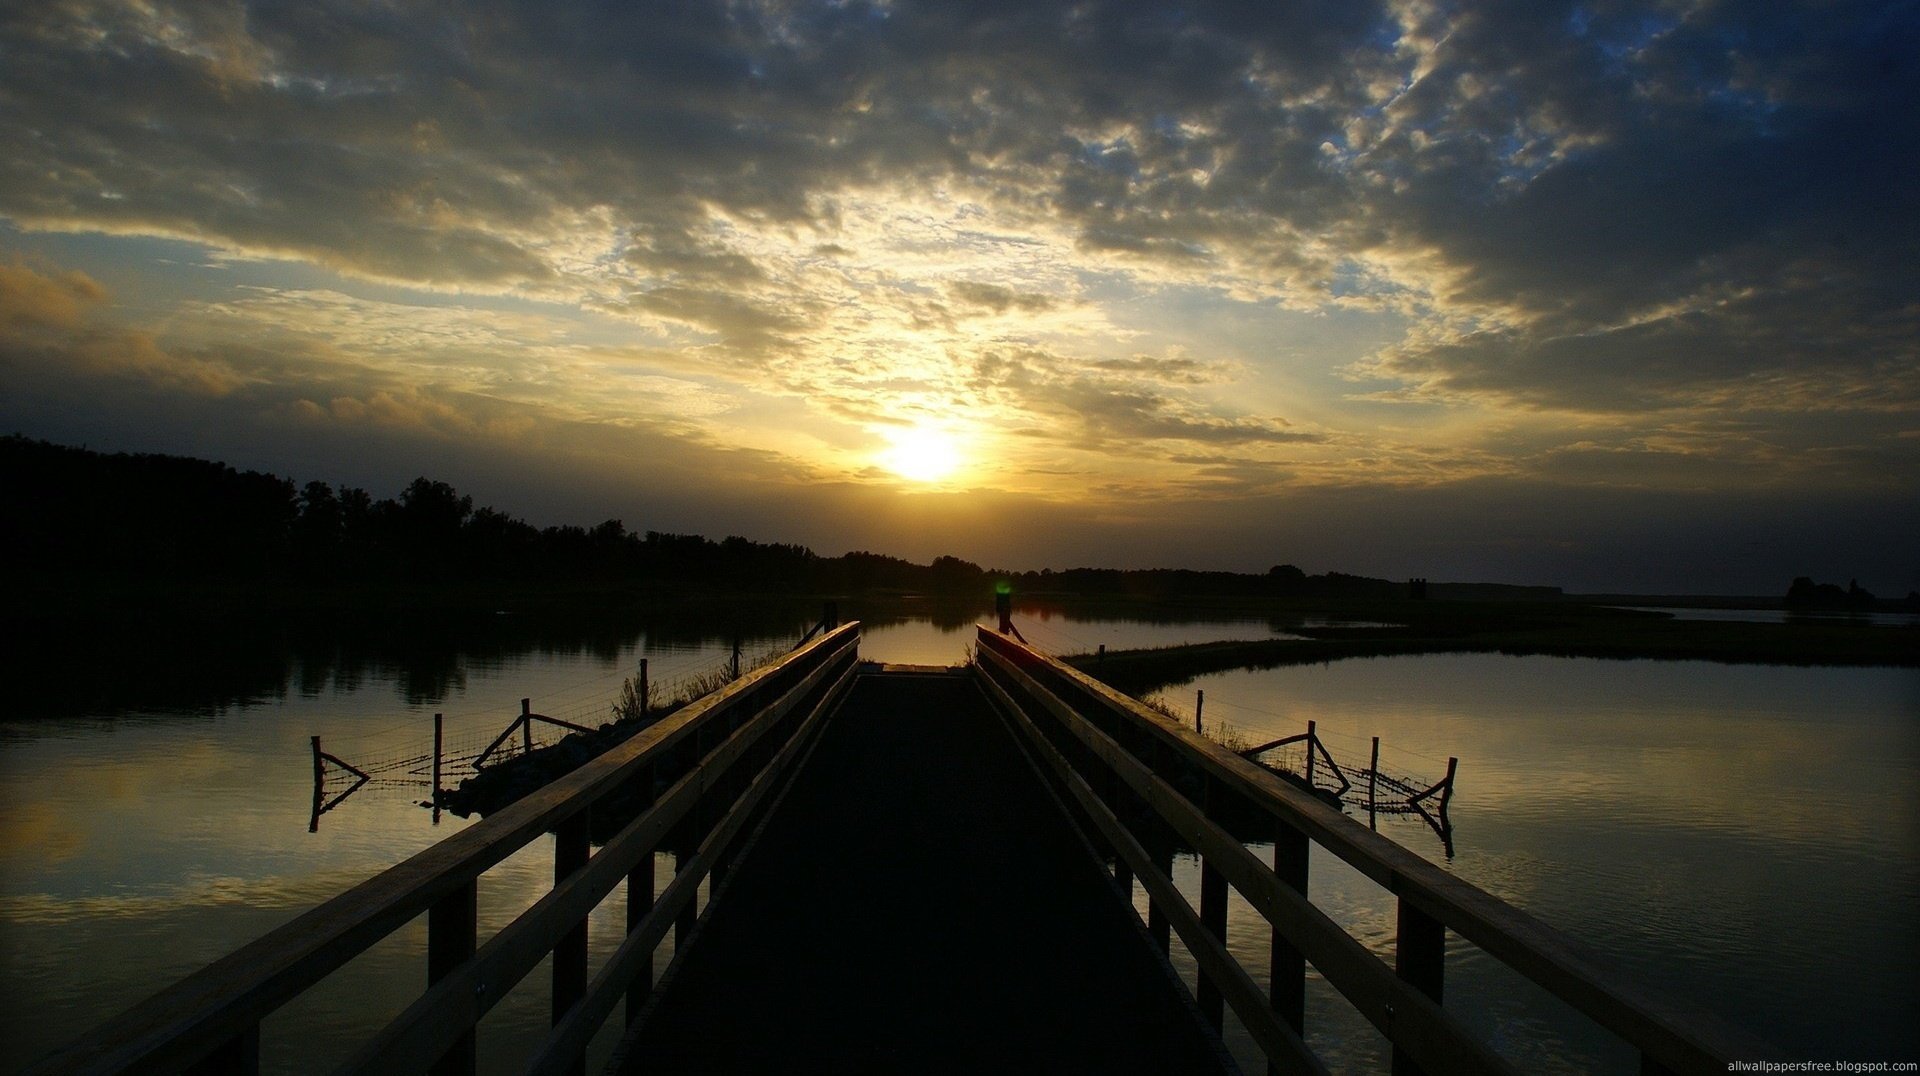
1605	295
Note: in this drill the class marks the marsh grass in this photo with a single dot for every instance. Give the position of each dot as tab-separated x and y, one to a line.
662	700
1224	733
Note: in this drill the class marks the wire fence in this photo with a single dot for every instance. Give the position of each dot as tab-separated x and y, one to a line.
1396	787
370	761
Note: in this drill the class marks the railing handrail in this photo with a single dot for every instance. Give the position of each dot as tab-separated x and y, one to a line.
182	1022
1697	1042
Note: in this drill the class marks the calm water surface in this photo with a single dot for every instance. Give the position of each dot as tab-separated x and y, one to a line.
1744	837
1745	833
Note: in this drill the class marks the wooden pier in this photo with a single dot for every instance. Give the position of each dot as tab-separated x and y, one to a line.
910	869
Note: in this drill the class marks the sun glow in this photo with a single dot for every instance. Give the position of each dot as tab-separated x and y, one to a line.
921	454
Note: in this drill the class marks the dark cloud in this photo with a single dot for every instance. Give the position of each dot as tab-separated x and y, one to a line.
1177	371
32	300
1098	406
1600	207
1565	169
999	299
49	333
1664	207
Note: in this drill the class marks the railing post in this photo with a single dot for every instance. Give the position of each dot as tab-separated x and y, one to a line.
572	847
1419	958
1125	810
1287	968
1160	847
1159	842
640	895
452	924
1213	916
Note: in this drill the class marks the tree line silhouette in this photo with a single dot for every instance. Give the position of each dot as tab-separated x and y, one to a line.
75	512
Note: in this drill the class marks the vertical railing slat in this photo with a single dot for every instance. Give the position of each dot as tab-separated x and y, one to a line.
640	894
1213	916
1287	968
1419	958
453	925
572	847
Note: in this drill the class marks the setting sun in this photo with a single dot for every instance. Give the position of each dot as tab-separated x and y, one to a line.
921	454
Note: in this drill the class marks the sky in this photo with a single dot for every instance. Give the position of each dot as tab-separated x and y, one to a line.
1610	296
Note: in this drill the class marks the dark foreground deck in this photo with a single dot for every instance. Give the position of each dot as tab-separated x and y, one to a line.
919	902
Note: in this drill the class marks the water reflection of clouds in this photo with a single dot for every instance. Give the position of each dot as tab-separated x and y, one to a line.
1677	812
1704	826
1811	754
39	830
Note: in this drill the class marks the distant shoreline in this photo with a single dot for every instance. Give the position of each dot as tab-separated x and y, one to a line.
1590	634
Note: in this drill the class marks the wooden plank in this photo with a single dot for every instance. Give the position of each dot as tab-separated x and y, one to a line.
425	1028
635	953
1678	1036
1278	1041
1396	1008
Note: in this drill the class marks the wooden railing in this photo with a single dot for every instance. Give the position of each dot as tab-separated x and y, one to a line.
1142	783
695	780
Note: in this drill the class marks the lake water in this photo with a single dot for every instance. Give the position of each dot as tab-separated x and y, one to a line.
1742	836
1747	833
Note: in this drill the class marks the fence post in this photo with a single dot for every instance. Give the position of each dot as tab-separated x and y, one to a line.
1199	704
438	720
526	726
1373	781
319	788
644	689
1313	740
736	655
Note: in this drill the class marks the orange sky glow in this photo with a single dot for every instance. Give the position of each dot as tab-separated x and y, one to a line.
1359	288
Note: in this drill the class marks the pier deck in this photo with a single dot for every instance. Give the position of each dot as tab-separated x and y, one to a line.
919	901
